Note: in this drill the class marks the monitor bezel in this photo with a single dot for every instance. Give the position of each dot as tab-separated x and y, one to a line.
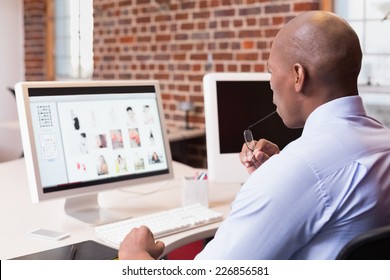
29	141
223	168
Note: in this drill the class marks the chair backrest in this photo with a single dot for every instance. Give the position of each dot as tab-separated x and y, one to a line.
371	245
10	138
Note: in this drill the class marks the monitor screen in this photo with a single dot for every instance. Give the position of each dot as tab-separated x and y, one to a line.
242	103
233	102
86	137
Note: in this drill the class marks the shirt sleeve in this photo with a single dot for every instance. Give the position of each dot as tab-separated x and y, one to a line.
276	212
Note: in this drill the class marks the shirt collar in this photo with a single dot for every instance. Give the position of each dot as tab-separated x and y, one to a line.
337	108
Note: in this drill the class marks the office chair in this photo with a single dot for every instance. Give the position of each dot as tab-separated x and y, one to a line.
371	245
11	90
10	138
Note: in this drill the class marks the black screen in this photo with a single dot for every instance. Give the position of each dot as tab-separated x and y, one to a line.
242	103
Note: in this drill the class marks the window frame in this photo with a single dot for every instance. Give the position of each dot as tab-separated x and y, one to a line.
50	42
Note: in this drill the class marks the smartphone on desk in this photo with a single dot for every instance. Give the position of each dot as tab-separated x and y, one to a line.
49	234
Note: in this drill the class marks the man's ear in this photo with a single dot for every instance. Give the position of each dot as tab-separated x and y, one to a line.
300	76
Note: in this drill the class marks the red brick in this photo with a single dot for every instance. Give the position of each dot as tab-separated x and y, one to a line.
139	2
232	67
201	15
224	34
198	56
178	77
142	39
275	8
186	47
223	56
160	57
161	38
195	78
251	21
248	44
181	56
125	3
249	11
187	26
260	68
161	76
204	4
162	17
184	88
246	68
145	19
200	36
196	67
201	25
181	36
248	56
188	5
278	20
250	33
219	68
237	23
181	16
299	7
225	13
261	45
127	39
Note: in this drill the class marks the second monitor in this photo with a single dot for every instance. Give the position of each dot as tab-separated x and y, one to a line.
234	101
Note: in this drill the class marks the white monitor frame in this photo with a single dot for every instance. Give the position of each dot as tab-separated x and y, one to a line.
222	168
82	203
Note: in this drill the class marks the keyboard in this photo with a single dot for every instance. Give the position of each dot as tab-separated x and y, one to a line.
161	223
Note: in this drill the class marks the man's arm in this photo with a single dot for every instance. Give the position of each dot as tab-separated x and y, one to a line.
139	244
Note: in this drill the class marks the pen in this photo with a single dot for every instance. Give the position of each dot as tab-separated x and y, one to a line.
262	119
72	252
202	176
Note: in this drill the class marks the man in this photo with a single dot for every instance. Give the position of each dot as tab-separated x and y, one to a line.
308	200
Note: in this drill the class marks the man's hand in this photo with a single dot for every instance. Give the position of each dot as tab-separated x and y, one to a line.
139	244
264	149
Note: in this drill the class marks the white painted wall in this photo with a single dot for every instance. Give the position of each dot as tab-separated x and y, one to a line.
11	71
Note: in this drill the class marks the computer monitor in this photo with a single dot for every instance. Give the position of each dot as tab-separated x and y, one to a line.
234	101
81	138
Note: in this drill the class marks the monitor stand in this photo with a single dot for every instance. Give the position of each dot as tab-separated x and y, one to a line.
86	209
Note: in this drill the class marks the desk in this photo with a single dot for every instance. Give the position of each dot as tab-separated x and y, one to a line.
180	134
19	216
187	146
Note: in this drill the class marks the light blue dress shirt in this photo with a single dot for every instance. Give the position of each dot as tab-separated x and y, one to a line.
318	193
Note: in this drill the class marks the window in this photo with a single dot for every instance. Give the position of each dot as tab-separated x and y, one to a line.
371	21
73	24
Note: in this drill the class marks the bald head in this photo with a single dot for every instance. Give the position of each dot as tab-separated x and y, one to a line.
325	45
315	58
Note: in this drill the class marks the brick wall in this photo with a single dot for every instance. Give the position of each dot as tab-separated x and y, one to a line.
35	39
178	41
174	41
